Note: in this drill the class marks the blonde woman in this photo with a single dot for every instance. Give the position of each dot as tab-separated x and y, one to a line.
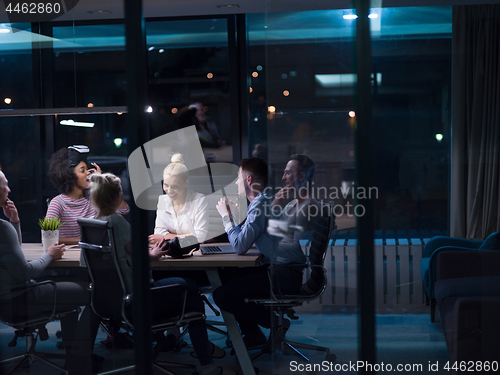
180	211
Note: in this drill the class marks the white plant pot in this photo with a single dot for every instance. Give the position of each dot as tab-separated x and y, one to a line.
49	237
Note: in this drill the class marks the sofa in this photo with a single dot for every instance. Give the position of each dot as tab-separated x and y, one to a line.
467	292
439	244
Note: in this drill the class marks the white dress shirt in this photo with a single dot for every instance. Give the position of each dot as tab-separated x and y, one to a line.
191	219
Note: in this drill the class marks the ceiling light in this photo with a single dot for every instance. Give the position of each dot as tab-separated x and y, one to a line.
228	6
74	123
100	11
342	80
7	100
149	109
354	16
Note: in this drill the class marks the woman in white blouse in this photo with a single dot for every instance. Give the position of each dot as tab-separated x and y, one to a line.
181	211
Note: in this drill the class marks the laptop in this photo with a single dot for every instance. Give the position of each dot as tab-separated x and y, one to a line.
220	249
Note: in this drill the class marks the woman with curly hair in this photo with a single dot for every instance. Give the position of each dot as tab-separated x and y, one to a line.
69	174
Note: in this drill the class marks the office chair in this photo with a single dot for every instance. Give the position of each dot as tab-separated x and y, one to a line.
32	327
310	290
111	298
212	325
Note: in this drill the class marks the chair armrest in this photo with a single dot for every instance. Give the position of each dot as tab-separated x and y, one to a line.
27	287
453	264
288	297
443	249
440	241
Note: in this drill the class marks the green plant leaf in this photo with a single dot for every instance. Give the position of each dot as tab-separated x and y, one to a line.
52	223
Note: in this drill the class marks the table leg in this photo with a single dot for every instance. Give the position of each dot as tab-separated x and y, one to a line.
232	329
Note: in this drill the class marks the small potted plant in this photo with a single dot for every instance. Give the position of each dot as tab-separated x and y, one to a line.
50	231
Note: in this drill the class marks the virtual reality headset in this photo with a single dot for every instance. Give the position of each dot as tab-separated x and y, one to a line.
77	154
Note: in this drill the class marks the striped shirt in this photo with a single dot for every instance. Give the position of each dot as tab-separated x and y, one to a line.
68	210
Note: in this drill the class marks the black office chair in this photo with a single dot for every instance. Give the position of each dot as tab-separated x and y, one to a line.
32	327
110	297
314	287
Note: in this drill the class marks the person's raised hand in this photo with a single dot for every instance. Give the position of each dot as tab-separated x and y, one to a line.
285	195
56	251
222	206
10	211
95	168
233	206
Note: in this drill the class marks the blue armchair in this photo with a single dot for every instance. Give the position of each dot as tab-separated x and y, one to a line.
439	244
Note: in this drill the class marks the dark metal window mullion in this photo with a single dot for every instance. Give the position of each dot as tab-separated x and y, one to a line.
138	134
364	160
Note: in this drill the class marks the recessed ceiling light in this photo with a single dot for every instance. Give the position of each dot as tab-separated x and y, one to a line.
101	11
227	6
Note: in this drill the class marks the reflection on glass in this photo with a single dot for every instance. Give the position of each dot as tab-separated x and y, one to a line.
190	86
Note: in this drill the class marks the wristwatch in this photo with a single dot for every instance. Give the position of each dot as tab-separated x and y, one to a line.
226	219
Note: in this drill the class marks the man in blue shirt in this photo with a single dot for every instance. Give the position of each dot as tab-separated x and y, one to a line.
254	282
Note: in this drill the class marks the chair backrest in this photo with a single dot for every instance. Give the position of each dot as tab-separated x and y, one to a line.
322	228
108	290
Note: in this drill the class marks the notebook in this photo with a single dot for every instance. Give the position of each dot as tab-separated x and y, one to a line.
220	249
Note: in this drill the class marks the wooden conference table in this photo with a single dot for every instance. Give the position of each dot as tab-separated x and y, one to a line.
208	263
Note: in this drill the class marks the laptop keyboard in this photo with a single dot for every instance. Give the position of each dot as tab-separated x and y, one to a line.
211	250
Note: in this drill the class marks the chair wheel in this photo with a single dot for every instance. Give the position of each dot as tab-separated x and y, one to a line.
59	334
229	343
331	358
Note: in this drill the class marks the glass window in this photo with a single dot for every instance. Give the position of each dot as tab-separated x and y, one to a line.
296	109
16	62
89	65
302	101
188	74
411	117
19	164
